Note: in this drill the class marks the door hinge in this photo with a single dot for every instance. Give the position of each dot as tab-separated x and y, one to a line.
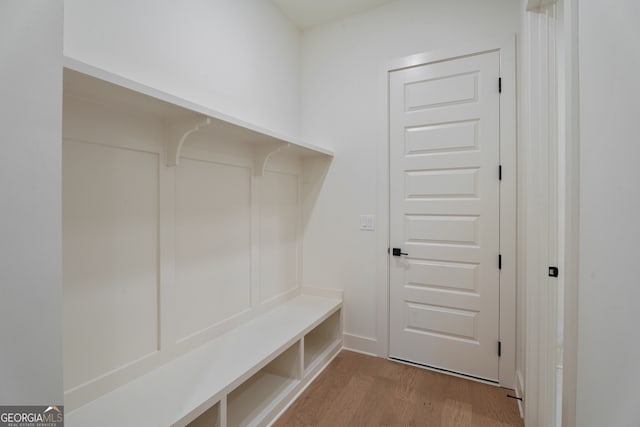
499	348
500	172
500	262
499	84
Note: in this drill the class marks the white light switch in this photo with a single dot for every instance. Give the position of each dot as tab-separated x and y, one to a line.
367	222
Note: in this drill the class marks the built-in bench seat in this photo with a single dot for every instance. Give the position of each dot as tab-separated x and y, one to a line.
245	377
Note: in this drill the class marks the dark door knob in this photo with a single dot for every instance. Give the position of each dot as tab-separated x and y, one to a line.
398	252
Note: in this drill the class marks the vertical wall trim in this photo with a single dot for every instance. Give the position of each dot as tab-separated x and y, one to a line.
382	243
508	210
256	188
569	91
168	334
550	200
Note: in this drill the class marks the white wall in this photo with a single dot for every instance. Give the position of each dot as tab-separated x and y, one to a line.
344	104
609	289
30	248
238	57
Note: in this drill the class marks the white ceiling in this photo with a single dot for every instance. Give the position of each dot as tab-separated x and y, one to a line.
308	13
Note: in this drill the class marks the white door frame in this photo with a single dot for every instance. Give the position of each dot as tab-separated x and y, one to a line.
570	170
507	200
549	115
540	203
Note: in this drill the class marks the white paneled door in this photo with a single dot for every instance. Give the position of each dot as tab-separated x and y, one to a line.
445	214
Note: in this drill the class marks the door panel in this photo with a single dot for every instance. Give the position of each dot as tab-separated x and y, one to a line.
439	275
458	136
445	194
449	183
441	91
442	229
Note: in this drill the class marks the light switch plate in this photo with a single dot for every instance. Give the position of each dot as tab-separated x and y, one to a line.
367	222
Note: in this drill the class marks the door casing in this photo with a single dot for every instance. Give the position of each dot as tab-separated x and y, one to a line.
508	138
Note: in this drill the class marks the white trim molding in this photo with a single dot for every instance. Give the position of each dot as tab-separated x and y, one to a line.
568	90
360	344
539	243
549	141
520	393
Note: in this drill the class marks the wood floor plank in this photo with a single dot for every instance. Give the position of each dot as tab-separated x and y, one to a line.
358	390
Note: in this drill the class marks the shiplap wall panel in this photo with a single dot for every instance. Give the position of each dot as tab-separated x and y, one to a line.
110	262
213	244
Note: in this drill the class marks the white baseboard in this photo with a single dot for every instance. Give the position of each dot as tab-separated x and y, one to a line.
360	344
520	393
559	387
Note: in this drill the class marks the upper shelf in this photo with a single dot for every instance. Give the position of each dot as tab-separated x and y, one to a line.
184	117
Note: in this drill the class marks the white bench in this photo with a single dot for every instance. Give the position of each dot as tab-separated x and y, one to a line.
244	377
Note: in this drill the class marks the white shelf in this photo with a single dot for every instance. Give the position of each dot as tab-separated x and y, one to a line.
182	389
184	117
211	418
321	340
262	393
254	399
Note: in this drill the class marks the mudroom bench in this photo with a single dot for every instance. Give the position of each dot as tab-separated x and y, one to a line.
245	377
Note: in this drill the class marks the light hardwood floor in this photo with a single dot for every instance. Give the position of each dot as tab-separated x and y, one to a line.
359	390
